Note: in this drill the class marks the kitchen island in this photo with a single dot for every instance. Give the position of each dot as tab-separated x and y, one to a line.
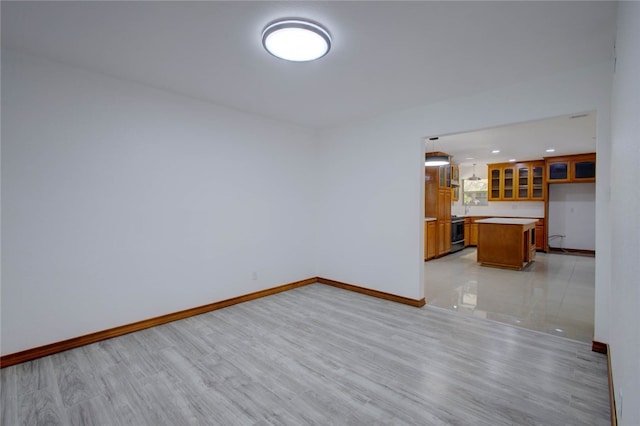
506	242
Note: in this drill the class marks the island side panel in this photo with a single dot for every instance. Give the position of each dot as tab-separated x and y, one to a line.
501	245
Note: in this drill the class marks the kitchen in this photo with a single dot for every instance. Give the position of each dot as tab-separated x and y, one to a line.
537	180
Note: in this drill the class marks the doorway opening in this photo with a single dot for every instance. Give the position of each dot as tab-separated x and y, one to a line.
556	294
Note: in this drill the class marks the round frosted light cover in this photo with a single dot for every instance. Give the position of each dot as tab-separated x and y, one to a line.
295	40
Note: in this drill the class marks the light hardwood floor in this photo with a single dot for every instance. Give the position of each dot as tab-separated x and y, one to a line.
315	355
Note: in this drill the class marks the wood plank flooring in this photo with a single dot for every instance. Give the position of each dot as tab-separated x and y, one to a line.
315	355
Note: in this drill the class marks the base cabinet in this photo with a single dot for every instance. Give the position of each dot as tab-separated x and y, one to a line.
467	232
473	235
429	240
540	238
444	237
506	243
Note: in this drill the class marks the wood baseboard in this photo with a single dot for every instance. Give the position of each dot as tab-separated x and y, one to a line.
599	347
603	348
612	394
375	293
52	348
590	253
75	342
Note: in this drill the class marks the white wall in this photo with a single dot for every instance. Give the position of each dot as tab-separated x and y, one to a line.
625	205
501	209
370	196
572	213
122	202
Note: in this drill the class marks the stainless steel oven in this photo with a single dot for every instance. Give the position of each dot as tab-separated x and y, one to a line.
457	233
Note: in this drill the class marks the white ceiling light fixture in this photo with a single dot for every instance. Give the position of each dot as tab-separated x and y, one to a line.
296	40
436	159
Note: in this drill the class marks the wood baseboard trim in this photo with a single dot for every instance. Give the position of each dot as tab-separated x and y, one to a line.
75	342
375	293
612	394
591	253
599	347
603	348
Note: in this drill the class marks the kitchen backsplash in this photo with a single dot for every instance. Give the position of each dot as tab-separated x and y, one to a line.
501	209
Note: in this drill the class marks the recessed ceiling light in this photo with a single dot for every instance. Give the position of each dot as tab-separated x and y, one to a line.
550	150
469	158
512	160
495	151
296	40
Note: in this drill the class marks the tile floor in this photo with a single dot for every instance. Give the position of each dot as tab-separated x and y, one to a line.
554	295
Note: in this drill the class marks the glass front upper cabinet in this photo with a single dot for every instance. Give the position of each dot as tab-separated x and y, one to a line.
495	176
571	168
523	182
508	180
537	184
558	171
584	170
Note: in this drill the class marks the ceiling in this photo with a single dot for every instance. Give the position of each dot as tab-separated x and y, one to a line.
570	134
386	56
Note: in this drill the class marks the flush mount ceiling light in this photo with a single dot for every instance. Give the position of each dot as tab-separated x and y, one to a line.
296	40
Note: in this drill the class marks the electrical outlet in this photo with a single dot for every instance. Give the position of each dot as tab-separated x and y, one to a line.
254	275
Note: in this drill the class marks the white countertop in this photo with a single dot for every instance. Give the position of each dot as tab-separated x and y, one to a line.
507	221
430	219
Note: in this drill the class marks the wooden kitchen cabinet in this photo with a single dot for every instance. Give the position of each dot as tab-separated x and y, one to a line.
438	205
506	242
472	233
445	176
502	182
530	178
429	240
455	175
473	237
558	170
517	182
538	186
583	168
540	236
455	182
442	174
571	168
467	232
444	221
